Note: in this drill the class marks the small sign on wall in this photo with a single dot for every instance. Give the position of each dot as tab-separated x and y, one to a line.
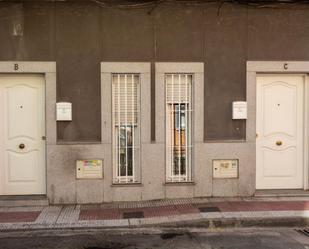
225	168
89	169
239	110
64	111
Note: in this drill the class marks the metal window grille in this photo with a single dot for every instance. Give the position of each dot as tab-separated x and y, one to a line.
179	127
126	127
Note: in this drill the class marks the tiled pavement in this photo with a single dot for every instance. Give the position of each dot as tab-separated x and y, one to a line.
208	212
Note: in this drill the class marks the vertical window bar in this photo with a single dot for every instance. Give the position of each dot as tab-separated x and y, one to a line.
179	127
119	130
173	132
189	126
186	126
126	122
133	124
170	145
168	124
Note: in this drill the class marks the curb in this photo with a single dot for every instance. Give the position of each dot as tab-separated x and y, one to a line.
186	221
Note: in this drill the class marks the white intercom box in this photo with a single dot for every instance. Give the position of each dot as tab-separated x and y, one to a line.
239	110
64	111
89	168
225	168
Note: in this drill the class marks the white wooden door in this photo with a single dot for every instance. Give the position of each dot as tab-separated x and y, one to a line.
279	124
22	127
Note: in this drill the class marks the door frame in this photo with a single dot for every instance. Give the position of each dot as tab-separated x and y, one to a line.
48	69
277	67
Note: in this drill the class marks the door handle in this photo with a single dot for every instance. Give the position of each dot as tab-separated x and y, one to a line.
22	146
279	143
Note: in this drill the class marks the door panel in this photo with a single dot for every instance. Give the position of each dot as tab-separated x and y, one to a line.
279	107
15	174
22	102
277	163
279	140
22	150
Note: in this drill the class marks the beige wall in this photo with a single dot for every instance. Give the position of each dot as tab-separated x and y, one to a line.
63	187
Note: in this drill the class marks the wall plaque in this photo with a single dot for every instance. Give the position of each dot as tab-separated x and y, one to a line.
89	168
227	168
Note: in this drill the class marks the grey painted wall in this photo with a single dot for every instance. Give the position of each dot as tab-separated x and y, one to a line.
64	188
78	36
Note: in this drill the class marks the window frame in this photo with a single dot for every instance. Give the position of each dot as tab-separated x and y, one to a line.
107	70
115	145
174	178
196	69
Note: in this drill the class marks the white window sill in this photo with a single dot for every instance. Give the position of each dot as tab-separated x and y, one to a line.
179	183
133	184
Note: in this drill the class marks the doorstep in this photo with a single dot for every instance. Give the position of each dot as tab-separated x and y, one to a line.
23	200
282	193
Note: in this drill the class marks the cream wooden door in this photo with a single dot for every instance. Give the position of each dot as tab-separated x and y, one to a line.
22	127
279	124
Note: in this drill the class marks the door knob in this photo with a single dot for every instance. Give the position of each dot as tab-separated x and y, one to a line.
279	143
22	146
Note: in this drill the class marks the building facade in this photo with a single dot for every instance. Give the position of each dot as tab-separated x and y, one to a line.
174	100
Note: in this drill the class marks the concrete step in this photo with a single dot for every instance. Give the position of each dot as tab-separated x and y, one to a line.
282	193
23	201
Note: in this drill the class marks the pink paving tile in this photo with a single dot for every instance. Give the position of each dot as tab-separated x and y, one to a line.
99	214
275	206
285	205
262	206
244	206
7	217
305	205
160	211
171	210
186	209
223	206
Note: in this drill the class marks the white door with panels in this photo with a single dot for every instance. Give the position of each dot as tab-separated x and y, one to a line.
22	134
280	130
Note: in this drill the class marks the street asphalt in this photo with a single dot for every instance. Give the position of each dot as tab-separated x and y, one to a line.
258	238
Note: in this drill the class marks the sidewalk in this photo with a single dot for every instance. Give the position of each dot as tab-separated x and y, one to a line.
201	212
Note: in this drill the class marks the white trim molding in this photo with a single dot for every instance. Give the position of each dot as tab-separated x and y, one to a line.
180	67
197	70
125	67
143	69
280	67
27	67
49	71
107	69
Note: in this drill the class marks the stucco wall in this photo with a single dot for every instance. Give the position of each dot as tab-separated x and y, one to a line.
63	187
78	36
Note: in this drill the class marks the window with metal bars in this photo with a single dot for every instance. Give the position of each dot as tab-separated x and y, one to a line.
126	127
178	127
